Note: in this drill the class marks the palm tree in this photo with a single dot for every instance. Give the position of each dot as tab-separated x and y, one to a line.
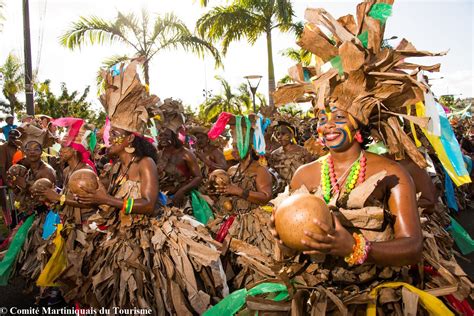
249	19
13	82
228	101
299	56
145	37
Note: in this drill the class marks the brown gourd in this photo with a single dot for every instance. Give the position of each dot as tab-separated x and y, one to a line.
295	215
83	178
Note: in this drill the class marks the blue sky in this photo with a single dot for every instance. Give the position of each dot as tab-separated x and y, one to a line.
429	25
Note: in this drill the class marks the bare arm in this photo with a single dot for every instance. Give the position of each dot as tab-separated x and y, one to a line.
149	188
144	205
193	166
264	187
407	245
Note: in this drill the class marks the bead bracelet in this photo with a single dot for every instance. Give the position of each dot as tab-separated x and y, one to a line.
360	250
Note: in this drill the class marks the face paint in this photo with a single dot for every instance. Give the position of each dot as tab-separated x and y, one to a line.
353	121
117	140
349	134
342	141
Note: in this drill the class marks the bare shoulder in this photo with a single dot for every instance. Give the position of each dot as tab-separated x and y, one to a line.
262	170
392	167
311	167
146	162
307	175
188	154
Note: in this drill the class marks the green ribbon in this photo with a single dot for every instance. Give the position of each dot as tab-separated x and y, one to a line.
336	63
232	303
9	260
93	141
381	12
364	38
242	145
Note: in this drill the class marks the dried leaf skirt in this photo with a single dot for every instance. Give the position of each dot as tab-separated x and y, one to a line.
34	254
250	243
166	265
333	288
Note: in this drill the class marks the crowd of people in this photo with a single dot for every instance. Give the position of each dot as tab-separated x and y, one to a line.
157	211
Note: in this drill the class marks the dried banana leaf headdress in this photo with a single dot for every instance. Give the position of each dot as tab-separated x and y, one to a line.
33	132
361	74
126	101
171	115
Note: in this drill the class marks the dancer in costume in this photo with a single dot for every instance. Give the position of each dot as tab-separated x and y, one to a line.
7	152
33	211
289	156
75	154
374	250
237	203
210	155
178	168
131	259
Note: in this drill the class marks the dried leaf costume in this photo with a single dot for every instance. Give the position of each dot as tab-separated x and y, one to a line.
168	264
29	258
372	81
245	224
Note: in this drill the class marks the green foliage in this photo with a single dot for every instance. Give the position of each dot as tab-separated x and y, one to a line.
66	104
144	36
298	55
13	83
249	19
447	100
235	102
245	19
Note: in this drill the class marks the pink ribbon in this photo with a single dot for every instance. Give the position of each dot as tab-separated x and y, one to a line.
148	139
74	125
219	125
85	154
106	135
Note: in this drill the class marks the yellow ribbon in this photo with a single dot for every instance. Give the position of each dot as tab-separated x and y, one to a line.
56	264
431	303
413	130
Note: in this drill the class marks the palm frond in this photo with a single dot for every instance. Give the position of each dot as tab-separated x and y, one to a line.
131	22
92	30
284	13
298	55
196	45
230	24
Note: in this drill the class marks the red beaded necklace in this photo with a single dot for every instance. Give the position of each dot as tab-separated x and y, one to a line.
329	182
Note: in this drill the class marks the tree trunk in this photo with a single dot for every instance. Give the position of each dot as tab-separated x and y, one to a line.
13	103
146	69
271	73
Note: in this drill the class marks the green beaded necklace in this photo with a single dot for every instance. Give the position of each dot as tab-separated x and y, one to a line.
330	184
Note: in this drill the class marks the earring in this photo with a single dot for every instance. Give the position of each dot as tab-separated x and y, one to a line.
358	137
130	149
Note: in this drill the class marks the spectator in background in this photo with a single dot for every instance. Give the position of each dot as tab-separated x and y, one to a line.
7	128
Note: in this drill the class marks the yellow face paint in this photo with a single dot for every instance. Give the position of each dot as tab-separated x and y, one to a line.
353	121
349	134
